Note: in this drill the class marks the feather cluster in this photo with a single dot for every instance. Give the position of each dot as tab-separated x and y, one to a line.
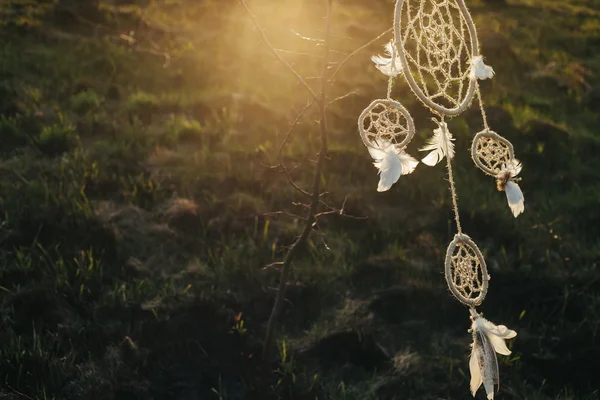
479	70
440	145
389	64
506	180
488	339
391	162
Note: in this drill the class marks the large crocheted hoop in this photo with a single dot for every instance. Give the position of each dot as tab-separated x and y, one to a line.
490	151
388	120
435	38
466	272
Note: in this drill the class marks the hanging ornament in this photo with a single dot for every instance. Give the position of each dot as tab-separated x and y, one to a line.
386	128
388	121
495	156
435	52
436	49
490	151
466	272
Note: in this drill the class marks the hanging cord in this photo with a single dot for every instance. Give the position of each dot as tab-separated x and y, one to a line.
474	312
452	186
393	68
478	93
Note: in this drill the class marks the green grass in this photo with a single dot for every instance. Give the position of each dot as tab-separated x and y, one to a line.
85	101
135	196
57	139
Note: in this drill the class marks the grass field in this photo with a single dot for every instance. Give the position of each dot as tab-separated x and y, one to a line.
139	214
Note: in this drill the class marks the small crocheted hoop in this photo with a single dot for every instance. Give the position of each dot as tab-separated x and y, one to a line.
490	151
388	120
434	55
466	272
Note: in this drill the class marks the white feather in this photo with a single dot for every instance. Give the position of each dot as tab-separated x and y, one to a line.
483	364
488	339
514	195
489	365
513	166
390	169
515	198
391	162
479	70
497	334
497	330
385	64
476	379
440	145
499	345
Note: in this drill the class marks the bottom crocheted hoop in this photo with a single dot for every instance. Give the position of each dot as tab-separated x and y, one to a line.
466	272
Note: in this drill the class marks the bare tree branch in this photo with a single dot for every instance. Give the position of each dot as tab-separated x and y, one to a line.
275	53
292	127
315	199
310	220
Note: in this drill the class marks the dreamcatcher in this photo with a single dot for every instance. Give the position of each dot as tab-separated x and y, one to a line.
435	48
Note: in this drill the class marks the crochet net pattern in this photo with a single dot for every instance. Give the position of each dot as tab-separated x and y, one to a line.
387	120
436	40
466	272
490	151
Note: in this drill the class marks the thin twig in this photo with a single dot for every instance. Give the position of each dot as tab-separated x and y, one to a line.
19	393
296	53
287	214
557	239
274	265
301	36
293	126
60	35
339	211
284	142
352	93
345	60
275	53
316	202
293	183
314	205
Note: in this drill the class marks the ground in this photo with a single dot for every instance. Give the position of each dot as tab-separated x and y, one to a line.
139	212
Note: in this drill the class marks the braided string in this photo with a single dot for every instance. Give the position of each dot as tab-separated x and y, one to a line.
483	115
391	78
452	186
